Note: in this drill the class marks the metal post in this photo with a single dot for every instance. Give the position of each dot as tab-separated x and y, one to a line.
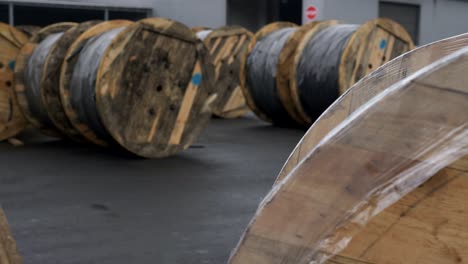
106	14
11	15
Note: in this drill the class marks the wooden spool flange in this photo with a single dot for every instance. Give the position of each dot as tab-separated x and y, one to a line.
228	48
12	120
263	32
44	122
153	93
29	30
428	225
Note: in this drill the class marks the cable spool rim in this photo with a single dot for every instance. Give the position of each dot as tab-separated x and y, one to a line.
22	62
178	139
241	108
392	27
199	29
266	30
14	121
288	73
51	86
67	71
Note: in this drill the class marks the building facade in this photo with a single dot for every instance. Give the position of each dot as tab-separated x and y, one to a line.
426	20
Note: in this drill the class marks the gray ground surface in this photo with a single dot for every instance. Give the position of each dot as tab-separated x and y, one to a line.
77	204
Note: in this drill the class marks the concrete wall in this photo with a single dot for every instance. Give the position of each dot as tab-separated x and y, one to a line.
209	13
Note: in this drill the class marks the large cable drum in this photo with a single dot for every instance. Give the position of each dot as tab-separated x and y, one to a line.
12	120
30	76
293	74
38	75
142	86
227	47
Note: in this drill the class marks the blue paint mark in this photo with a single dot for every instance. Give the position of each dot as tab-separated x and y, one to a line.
383	44
196	79
12	65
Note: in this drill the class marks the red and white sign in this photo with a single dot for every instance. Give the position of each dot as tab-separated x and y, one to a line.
311	13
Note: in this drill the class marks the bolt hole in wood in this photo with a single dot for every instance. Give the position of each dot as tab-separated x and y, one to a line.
1	65
159	88
384	58
151	112
370	66
172	107
8	83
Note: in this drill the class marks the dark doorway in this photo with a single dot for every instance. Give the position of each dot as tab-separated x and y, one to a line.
129	15
43	16
407	15
4	14
291	10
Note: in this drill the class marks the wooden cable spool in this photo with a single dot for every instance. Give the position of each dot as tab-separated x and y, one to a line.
12	120
428	225
8	250
227	47
31	76
247	86
152	94
341	53
29	30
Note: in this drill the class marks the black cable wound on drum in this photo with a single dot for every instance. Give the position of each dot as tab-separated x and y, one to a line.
33	75
261	75
83	82
318	68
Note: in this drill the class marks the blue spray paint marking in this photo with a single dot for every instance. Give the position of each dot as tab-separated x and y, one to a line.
383	44
12	64
196	79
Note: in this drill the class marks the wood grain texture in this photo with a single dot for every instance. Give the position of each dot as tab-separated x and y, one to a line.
266	30
20	84
12	120
426	226
153	81
228	47
8	251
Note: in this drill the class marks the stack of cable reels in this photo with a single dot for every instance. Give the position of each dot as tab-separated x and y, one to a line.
293	74
228	49
142	86
12	120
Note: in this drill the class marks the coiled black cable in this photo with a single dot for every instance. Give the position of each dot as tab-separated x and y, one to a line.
83	82
318	69
33	74
261	75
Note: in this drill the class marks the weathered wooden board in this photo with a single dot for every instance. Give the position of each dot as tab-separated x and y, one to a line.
37	116
8	251
12	120
228	47
427	226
